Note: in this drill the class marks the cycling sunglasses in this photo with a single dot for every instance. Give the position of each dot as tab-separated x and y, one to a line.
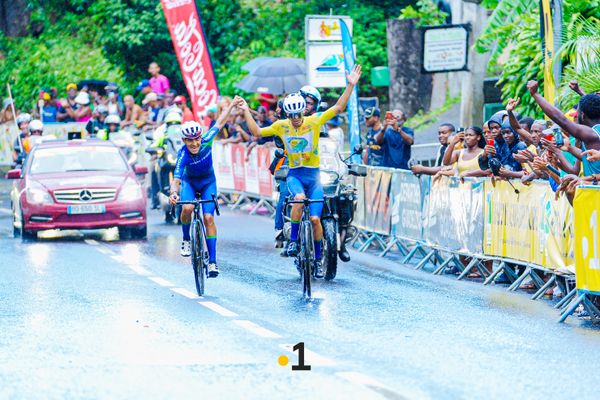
294	115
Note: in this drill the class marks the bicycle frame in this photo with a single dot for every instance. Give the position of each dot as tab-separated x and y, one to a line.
306	255
199	255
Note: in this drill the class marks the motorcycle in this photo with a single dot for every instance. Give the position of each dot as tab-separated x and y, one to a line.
165	158
339	202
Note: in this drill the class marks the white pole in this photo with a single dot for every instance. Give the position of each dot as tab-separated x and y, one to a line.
12	107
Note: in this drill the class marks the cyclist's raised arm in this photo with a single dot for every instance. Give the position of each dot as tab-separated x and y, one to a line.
224	115
252	125
352	78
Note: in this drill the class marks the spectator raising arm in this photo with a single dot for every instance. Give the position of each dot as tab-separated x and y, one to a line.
510	107
582	132
451	156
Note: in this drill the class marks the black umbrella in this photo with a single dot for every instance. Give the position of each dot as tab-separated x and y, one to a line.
274	75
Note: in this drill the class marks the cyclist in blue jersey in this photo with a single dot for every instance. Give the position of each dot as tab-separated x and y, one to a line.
194	174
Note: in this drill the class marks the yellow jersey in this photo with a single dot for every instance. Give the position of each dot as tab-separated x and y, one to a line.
302	144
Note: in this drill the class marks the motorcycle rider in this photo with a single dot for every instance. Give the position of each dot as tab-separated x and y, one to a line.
22	121
98	122
173	120
113	125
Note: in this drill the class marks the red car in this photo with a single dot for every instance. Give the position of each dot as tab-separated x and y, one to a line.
78	184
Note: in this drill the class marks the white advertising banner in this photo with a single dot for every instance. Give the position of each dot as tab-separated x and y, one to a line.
445	48
325	65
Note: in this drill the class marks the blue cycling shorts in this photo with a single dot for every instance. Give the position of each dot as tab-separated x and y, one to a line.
206	186
307	181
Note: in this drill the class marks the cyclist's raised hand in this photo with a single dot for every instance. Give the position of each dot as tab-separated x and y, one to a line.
354	76
173	198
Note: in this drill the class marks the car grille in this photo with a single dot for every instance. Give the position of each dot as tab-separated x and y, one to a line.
84	195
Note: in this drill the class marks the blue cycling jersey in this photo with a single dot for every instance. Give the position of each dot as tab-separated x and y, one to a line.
197	165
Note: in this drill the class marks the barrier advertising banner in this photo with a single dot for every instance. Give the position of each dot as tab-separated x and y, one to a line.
251	171
453	215
408	194
265	179
191	48
530	226
238	157
587	238
377	185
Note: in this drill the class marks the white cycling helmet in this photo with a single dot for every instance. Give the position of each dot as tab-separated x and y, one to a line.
191	130
112	119
313	93
36	125
294	104
23	118
173	118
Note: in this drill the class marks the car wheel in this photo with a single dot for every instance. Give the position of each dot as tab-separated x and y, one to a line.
124	233
139	232
25	234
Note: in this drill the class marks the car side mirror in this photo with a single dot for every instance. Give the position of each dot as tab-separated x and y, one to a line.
13	174
140	169
358	149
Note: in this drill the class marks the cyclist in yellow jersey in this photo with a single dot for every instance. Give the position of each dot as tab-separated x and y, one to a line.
300	135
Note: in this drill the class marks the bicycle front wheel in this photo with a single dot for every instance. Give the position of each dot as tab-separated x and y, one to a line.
306	256
198	255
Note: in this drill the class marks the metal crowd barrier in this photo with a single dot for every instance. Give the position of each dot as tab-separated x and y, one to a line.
524	234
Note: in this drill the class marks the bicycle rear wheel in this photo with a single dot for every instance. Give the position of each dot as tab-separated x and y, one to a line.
306	244
198	255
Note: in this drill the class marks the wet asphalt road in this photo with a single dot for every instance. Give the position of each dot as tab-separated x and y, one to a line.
88	316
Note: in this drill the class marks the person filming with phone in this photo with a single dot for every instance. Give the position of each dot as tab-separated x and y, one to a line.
395	140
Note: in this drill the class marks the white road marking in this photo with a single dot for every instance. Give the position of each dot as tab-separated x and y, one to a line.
161	281
310	357
92	242
185	293
6	211
256	329
104	250
139	270
217	308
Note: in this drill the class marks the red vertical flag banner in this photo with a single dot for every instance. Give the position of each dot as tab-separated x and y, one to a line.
192	53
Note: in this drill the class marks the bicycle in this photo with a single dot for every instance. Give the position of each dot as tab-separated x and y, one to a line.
306	255
199	255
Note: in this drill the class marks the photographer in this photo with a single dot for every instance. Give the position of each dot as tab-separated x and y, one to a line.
395	140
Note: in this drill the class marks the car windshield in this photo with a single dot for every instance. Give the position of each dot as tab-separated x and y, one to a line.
81	158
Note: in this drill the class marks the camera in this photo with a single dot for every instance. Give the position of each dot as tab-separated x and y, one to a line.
495	166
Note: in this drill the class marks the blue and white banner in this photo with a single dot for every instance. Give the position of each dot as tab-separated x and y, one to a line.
353	122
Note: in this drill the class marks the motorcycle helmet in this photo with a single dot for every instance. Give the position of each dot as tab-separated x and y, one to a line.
313	93
36	126
173	118
112	119
25	117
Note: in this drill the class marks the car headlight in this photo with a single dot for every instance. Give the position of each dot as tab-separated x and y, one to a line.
171	159
328	178
131	191
37	194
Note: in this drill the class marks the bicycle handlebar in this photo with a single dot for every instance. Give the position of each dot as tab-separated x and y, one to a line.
198	202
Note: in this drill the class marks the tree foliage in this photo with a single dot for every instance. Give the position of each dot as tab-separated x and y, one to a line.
126	35
512	34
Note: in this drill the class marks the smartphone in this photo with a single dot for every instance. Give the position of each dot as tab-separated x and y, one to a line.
551	168
559	137
389	115
490	142
548	134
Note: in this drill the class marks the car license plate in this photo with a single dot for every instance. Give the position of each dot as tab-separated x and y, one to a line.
86	209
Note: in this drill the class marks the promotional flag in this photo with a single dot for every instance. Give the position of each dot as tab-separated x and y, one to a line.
191	48
353	122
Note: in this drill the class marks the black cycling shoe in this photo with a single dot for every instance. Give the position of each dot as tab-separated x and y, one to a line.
292	249
318	269
344	255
